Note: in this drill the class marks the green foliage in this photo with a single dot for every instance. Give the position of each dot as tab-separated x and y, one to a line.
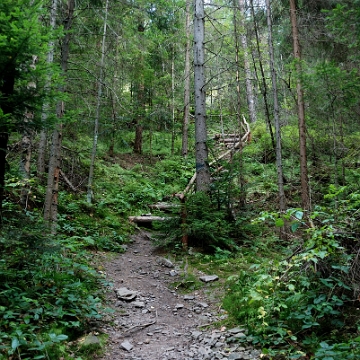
306	298
205	226
48	293
22	37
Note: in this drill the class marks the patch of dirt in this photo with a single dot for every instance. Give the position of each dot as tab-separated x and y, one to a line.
160	323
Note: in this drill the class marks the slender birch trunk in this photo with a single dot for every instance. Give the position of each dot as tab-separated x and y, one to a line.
90	192
201	150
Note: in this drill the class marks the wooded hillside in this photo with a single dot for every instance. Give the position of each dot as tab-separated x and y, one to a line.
240	117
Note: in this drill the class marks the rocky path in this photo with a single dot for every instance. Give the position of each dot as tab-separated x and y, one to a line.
154	322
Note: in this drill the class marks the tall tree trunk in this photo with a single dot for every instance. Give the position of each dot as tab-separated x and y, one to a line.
201	150
45	109
249	88
241	178
282	200
173	130
26	144
51	196
90	193
186	116
40	163
263	84
305	196
4	138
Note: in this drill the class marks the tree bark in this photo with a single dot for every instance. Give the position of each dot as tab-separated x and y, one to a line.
249	88
45	109
186	116
90	192
4	138
282	200
305	197
26	144
201	150
263	84
52	189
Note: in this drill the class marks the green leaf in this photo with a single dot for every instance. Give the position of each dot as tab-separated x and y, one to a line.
294	226
299	214
279	222
15	343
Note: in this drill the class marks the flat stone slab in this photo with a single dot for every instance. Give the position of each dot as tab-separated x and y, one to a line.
236	330
209	278
126	345
124	293
189	297
138	304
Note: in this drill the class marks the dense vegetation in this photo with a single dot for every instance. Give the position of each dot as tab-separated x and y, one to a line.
91	96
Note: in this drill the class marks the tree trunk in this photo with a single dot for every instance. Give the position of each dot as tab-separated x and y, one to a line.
241	178
26	143
249	88
185	128
40	164
263	84
282	200
173	130
4	138
90	193
201	150
51	196
45	109
305	197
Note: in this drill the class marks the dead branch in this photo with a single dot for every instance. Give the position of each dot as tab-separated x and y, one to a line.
65	178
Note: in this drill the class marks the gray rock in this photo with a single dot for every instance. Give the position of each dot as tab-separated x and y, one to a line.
189	297
173	273
196	334
179	306
91	340
235	330
138	304
124	293
164	262
204	305
235	356
209	278
126	345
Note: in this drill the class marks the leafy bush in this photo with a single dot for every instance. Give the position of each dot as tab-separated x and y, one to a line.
308	299
48	294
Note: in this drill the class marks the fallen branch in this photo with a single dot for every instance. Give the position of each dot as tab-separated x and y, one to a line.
139	326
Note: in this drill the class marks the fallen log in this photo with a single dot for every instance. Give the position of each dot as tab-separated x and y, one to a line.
146	218
163	206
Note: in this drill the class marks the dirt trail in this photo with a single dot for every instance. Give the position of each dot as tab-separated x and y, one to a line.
158	323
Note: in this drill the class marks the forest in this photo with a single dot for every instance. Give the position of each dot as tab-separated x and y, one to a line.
239	117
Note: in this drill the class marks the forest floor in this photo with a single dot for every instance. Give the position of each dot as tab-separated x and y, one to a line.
154	320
